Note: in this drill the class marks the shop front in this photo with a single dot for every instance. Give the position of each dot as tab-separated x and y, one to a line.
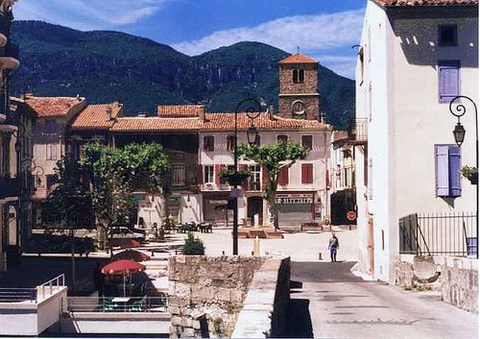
217	209
295	208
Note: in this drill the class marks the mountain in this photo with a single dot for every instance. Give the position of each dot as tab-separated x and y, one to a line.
104	66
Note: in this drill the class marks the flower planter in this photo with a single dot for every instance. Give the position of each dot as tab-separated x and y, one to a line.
237	179
473	178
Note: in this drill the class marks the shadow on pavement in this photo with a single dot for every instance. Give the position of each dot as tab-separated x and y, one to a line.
299	322
324	272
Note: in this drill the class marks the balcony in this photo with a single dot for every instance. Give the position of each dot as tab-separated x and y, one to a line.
9	57
9	188
358	132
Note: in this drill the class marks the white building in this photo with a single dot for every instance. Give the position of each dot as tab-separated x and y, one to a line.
414	58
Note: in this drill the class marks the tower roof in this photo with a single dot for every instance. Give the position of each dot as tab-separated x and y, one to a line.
298	58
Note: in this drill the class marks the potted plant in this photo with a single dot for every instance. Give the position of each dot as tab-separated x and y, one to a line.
233	177
470	173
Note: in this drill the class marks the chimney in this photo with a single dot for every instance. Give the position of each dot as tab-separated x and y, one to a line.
108	112
271	111
201	113
323	115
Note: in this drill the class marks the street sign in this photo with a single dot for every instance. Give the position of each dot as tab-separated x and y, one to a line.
351	215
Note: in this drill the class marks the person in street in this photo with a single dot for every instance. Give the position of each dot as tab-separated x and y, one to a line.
333	245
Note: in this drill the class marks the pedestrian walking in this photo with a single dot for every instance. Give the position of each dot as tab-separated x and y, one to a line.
333	245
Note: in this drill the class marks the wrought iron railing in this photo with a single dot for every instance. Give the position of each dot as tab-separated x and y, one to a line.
451	234
122	305
33	295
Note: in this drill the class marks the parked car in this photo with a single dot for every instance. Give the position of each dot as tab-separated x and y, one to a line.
126	233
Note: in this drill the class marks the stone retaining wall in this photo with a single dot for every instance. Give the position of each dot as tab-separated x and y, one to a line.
454	278
207	293
264	312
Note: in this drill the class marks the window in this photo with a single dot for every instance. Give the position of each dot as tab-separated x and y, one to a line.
307	141
447	171
448	80
307	173
447	35
230	142
282	138
208	174
208	143
283	177
298	75
51	152
255	178
178	174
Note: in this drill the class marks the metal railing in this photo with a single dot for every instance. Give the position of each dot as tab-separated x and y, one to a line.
451	234
122	305
358	130
45	290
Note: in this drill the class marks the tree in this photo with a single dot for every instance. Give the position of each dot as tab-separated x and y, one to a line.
114	173
273	158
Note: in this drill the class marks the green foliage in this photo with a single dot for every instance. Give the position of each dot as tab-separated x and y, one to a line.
67	206
193	245
468	171
106	66
232	177
273	158
115	172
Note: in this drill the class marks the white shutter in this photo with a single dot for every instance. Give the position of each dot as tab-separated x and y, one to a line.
441	171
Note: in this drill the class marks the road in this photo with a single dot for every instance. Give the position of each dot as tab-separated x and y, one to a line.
327	301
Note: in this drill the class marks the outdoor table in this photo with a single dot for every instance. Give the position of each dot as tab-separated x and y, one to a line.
120	303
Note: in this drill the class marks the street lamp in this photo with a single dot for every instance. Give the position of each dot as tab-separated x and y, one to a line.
253	109
458	109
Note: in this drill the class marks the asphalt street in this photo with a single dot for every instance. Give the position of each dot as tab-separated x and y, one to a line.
328	301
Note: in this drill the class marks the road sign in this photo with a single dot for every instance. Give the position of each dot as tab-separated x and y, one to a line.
351	215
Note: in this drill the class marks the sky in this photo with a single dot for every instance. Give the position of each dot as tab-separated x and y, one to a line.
323	29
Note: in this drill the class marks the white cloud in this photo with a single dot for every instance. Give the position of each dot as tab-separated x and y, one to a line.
310	32
88	14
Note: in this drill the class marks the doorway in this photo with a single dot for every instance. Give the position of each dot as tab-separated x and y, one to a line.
255	211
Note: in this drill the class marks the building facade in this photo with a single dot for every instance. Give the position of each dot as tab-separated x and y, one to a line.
9	184
412	62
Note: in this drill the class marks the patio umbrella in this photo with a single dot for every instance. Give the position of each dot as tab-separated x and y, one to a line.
124	243
123	267
132	254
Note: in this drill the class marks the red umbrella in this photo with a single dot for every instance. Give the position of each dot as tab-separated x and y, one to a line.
124	266
132	254
124	243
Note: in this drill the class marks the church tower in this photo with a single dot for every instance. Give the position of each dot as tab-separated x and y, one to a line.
298	96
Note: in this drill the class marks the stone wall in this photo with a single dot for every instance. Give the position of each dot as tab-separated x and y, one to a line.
264	313
454	278
207	293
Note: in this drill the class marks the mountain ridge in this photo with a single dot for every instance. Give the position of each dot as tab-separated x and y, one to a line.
105	66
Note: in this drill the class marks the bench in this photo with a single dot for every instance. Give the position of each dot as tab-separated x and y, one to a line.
206	228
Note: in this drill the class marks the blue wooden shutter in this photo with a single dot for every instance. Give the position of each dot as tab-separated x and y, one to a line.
454	162
441	170
449	76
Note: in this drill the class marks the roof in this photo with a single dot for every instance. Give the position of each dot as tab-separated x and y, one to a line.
176	111
156	124
53	107
214	122
97	116
298	58
339	135
400	3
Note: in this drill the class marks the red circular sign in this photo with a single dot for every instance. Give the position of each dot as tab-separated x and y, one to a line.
351	215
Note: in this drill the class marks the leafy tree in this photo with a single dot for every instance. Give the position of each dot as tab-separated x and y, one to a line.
115	173
193	245
273	158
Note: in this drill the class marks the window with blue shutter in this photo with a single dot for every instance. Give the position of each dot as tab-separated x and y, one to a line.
448	80
447	171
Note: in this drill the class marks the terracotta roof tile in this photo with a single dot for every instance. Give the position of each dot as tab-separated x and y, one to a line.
214	122
96	116
298	58
339	135
154	124
399	3
226	122
177	111
50	107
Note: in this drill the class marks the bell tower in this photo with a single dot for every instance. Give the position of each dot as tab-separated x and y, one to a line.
298	97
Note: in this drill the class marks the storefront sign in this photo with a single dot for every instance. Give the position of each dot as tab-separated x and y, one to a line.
294	198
